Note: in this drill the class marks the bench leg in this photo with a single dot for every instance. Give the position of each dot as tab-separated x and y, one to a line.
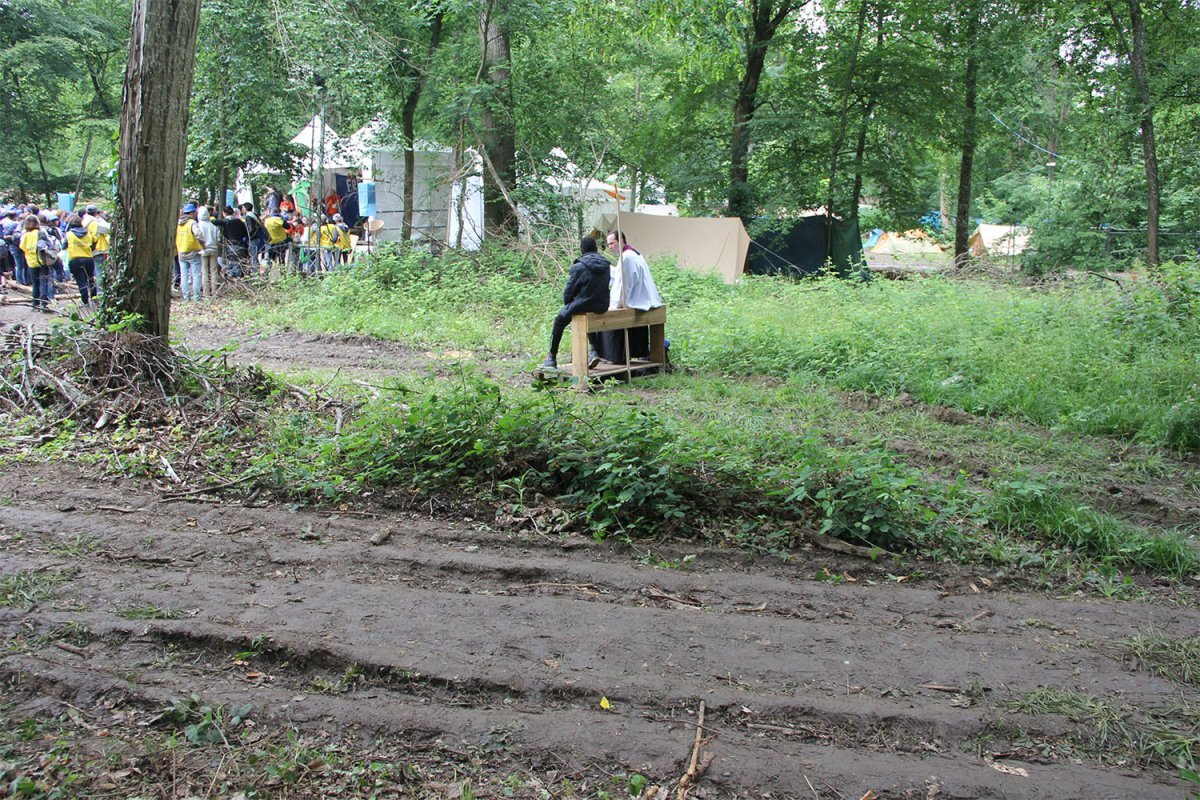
658	344
579	350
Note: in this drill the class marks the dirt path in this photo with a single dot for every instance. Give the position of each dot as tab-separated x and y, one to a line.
481	639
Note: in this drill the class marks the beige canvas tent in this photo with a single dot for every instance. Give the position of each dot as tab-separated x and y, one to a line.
908	243
998	240
700	244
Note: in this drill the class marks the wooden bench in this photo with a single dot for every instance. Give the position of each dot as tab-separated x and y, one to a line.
619	319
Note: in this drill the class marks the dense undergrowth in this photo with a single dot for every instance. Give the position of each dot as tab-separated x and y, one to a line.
1093	358
608	467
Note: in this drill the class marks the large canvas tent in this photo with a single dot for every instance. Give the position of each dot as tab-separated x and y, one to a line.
804	246
999	240
700	244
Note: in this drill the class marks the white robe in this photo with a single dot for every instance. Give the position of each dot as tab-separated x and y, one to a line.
636	283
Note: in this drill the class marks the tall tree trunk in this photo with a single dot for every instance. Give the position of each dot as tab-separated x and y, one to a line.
499	134
153	146
46	189
766	21
1137	60
962	223
860	147
408	120
843	111
87	151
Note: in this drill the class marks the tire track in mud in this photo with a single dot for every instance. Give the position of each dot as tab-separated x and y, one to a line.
489	641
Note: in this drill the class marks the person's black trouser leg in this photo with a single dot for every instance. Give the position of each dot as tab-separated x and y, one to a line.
560	324
81	271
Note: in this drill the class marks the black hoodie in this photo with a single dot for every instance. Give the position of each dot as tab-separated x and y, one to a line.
587	285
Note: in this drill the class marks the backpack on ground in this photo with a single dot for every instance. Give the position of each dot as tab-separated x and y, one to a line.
48	248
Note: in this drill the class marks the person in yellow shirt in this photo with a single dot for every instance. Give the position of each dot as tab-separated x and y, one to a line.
277	236
328	243
99	228
343	239
39	275
80	245
188	247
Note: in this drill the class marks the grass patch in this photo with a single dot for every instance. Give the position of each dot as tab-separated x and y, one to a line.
1024	505
1177	660
347	681
1168	736
28	587
150	612
1091	359
74	546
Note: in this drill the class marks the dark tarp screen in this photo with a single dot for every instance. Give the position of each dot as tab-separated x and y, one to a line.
800	249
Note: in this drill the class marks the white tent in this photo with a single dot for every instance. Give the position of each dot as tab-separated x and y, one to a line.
907	243
999	240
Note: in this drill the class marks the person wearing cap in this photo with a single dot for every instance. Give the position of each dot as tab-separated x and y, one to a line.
188	246
51	229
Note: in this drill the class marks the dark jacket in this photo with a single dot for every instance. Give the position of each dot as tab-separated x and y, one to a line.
587	284
234	230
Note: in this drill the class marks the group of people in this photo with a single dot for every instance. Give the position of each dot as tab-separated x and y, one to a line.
238	242
39	247
594	286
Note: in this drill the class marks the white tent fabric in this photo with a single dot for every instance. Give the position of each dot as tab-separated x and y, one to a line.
999	240
903	244
700	244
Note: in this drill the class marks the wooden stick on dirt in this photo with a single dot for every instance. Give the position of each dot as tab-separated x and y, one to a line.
985	613
695	769
210	488
381	536
70	648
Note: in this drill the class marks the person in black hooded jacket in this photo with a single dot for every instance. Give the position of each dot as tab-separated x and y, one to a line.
586	292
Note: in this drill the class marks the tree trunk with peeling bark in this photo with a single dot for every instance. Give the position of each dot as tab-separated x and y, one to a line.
498	135
153	146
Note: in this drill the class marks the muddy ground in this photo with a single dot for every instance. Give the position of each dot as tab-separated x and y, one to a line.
454	637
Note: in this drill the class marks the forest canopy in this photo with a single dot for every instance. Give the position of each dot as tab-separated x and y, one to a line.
1078	119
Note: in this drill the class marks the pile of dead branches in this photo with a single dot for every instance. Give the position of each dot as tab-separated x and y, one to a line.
94	376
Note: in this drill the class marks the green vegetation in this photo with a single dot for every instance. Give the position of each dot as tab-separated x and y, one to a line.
150	612
754	442
1176	660
1113	733
25	588
1094	359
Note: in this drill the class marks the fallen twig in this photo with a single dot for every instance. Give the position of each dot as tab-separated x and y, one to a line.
654	593
694	770
381	536
212	487
838	546
70	648
939	688
170	470
987	612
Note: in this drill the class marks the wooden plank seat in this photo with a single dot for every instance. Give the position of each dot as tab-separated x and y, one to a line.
615	320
